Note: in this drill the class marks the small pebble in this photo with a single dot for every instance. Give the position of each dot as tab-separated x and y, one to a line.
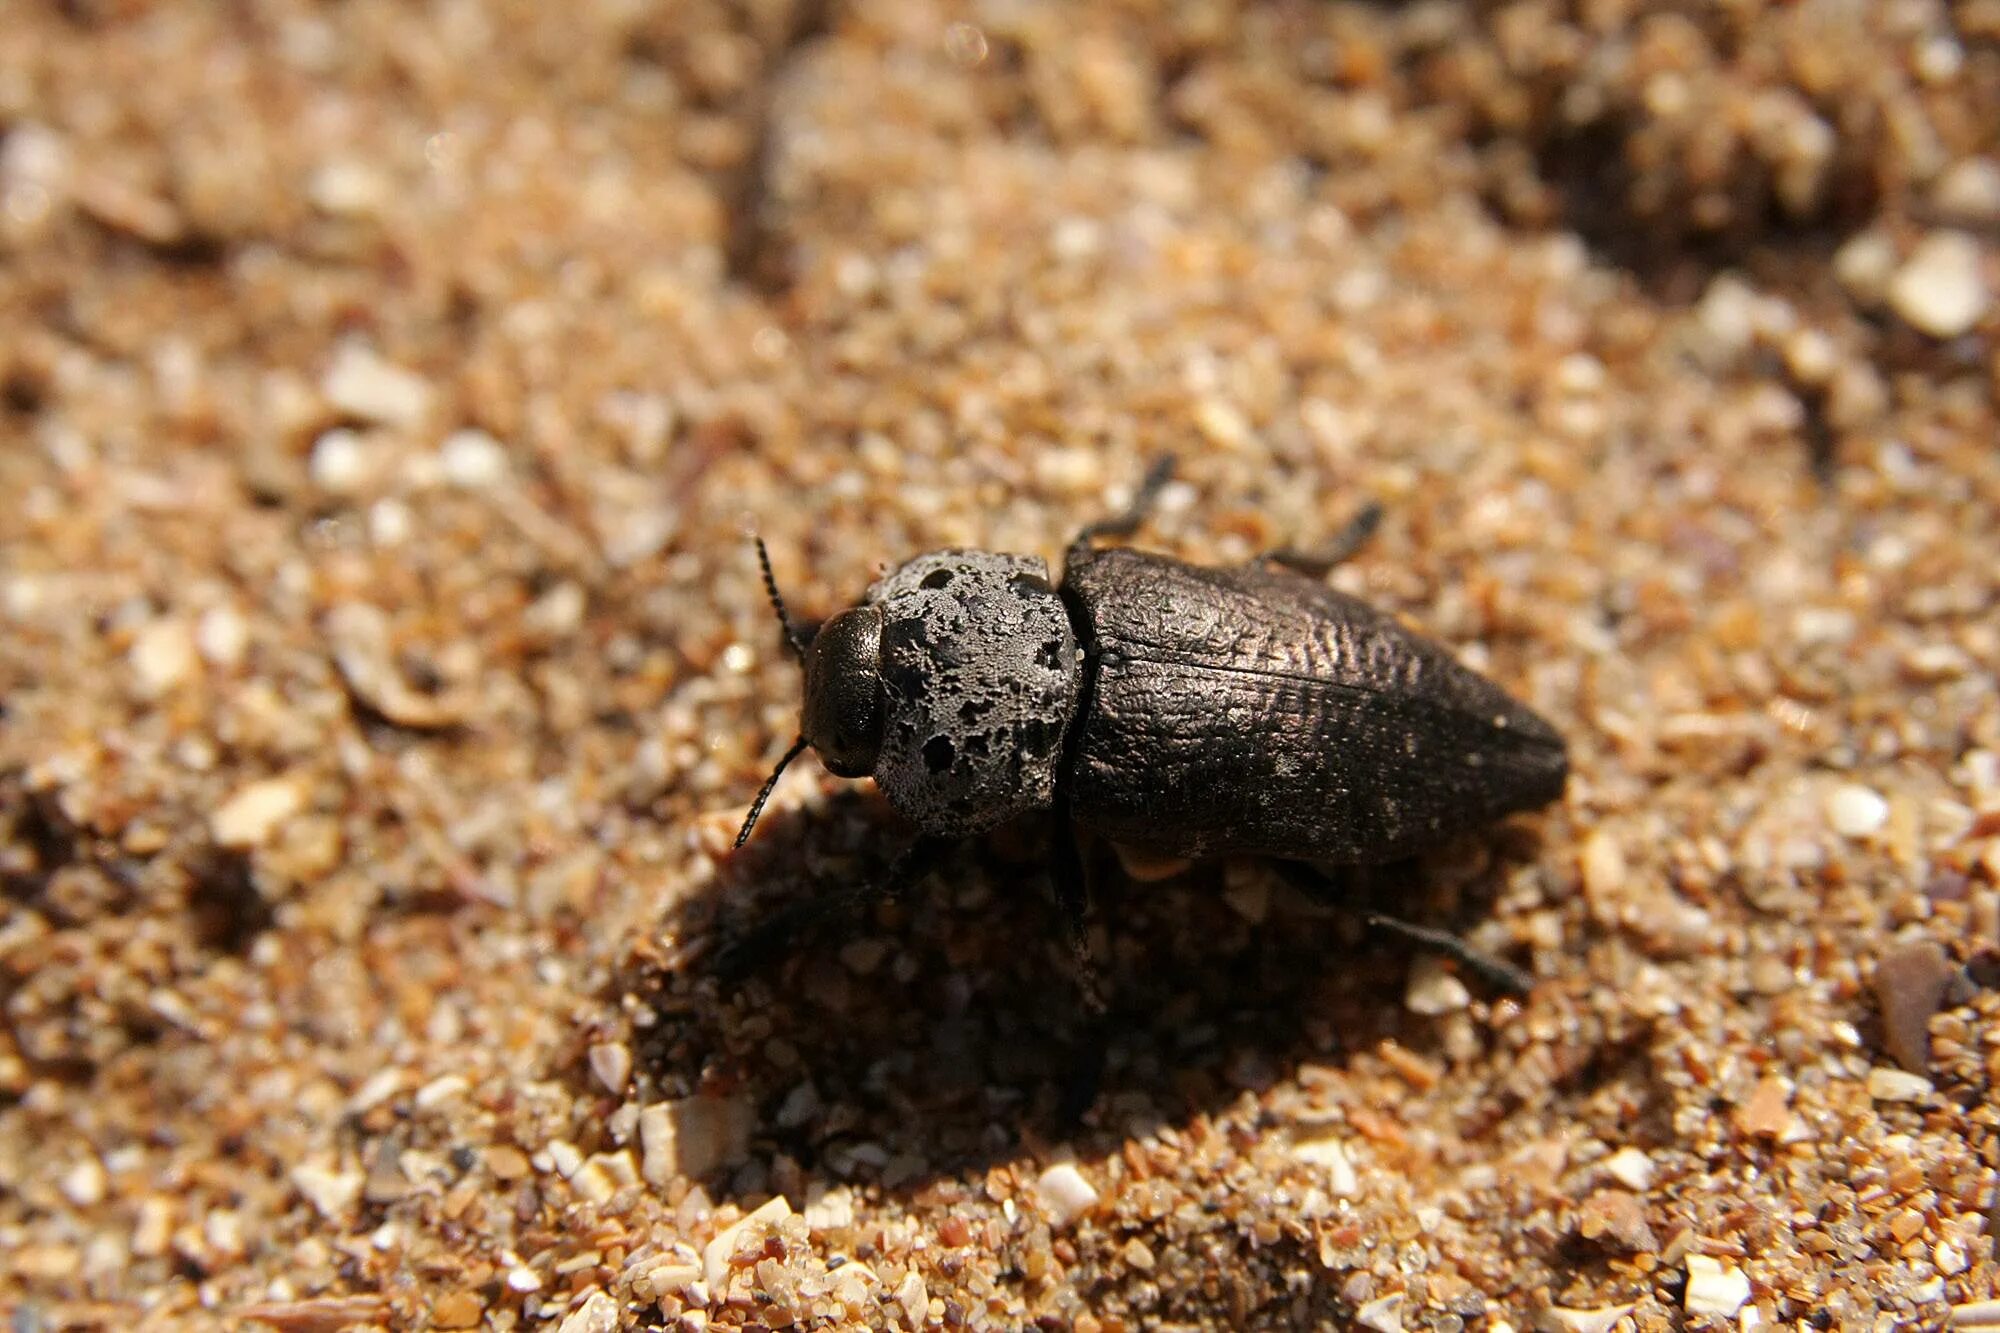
1969	192
222	636
1713	1288
597	1314
1330	1153
719	1254
1940	289
349	189
84	1183
1602	1319
1630	1167
611	1061
1433	988
461	1309
507	1163
162	656
693	1137
330	1190
1384	1314
340	463
1065	1194
359	383
1897	1085
1910	983
472	460
249	818
1856	811
1767	1112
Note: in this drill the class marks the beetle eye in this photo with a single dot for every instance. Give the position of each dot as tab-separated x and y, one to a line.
843	713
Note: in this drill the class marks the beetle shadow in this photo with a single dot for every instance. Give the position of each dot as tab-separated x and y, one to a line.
939	1036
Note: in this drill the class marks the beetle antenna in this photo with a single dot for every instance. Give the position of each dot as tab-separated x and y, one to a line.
793	639
764	793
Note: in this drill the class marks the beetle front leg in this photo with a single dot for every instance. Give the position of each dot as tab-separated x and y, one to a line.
1316	563
809	914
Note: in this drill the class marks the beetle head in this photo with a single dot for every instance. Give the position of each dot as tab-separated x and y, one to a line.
843	712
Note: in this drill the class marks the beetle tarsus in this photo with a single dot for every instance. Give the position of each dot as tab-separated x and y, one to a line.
1316	563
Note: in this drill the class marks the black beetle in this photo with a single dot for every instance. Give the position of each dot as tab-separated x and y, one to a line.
1184	710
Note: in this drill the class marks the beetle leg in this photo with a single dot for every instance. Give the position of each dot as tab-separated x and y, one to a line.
1073	902
1496	973
1316	563
1125	524
811	913
1072	885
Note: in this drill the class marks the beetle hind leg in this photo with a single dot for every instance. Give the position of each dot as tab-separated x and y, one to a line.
1316	562
1496	973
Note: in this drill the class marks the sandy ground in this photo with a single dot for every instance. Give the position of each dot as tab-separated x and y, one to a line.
386	391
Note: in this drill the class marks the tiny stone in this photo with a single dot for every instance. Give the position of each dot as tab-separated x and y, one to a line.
1767	1112
439	1091
1856	811
84	1183
611	1061
349	189
1714	1288
328	1189
1221	424
597	1314
340	464
693	1137
523	1279
1602	863
1940	289
1603	1319
717	1256
1433	988
564	1156
506	1162
1331	1154
1970	192
1617	1217
1897	1085
472	460
1065	1194
1630	1167
1137	1255
1384	1314
221	636
162	656
461	1309
248	818
829	1210
911	1295
361	384
1864	266
1910	983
